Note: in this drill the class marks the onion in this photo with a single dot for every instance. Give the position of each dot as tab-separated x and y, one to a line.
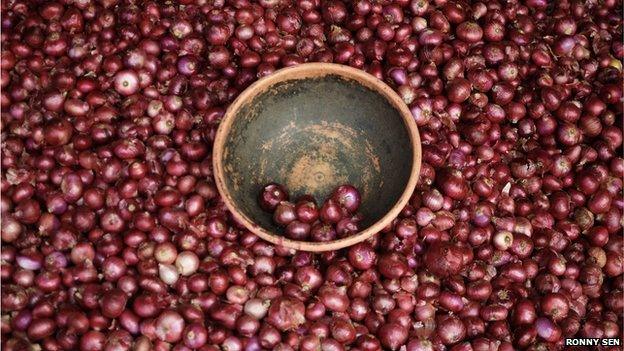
451	330
113	303
187	263
256	308
169	326
168	273
362	256
547	330
347	196
392	335
286	313
443	259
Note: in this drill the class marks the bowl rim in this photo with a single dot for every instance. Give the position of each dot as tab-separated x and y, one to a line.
311	70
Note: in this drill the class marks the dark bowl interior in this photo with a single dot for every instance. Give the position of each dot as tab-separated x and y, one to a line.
312	135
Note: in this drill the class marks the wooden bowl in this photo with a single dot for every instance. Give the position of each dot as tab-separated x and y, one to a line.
311	128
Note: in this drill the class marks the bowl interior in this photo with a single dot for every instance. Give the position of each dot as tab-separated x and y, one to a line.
311	135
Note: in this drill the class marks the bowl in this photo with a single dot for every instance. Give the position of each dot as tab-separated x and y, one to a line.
313	127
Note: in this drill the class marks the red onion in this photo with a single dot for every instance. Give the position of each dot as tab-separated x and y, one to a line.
284	213
347	196
450	330
547	330
333	298
256	308
169	326
168	273
362	256
392	335
271	195
443	259
452	183
113	303
286	313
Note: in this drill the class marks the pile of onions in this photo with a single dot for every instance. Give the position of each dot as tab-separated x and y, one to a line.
114	236
304	220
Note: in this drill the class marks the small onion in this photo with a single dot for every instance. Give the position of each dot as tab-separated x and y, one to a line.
168	273
187	263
